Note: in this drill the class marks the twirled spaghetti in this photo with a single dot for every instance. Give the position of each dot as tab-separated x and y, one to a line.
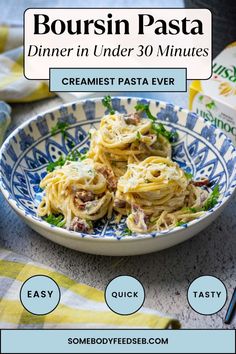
82	191
125	139
128	169
156	194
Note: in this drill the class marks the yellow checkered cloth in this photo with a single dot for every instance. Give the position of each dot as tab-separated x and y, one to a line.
81	306
14	87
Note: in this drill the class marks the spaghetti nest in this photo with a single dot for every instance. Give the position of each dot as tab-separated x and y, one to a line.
156	194
125	139
81	191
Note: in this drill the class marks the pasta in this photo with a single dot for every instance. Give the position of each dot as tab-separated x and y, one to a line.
82	191
125	139
128	170
156	195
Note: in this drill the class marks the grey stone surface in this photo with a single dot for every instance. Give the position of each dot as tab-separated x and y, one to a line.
165	275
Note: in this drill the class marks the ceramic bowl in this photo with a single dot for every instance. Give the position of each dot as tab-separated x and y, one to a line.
201	149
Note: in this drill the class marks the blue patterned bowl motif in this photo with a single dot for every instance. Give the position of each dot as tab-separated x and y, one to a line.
201	149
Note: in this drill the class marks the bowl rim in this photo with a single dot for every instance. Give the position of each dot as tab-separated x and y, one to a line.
92	237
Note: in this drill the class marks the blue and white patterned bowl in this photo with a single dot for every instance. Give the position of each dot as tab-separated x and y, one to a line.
201	149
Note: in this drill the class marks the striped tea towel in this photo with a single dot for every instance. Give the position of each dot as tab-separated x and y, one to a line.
5	119
14	87
81	306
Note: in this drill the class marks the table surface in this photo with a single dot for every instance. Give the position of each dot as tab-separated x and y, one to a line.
165	275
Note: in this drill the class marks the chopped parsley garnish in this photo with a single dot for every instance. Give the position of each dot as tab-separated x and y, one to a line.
58	163
212	200
180	223
157	128
74	155
108	104
127	232
189	209
56	220
138	136
209	204
188	175
193	210
145	108
60	127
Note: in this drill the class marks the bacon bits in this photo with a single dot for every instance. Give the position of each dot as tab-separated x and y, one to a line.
132	118
201	182
80	225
